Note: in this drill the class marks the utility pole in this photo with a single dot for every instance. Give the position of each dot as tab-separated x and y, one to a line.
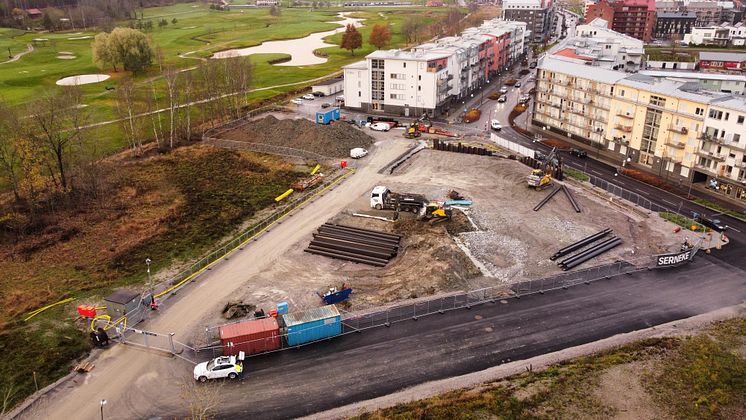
150	279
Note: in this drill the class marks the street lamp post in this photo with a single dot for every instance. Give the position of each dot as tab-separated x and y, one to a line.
103	403
150	279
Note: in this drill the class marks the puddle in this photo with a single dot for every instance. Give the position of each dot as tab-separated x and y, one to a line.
301	49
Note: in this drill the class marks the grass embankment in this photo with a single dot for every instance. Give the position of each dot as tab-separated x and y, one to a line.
700	377
575	174
170	207
682	221
721	209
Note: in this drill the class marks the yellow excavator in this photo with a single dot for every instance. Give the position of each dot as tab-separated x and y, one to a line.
436	212
542	177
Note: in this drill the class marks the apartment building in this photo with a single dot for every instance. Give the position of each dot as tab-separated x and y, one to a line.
669	25
538	15
635	18
432	78
664	126
707	12
717	82
722	35
600	46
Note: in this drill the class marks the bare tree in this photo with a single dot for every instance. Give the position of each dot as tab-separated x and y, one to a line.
202	400
171	76
186	90
8	394
9	152
56	123
126	107
155	115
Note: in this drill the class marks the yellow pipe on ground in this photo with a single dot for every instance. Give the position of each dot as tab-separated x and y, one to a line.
283	195
40	310
315	169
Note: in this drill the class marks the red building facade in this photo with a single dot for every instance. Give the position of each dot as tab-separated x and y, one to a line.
635	18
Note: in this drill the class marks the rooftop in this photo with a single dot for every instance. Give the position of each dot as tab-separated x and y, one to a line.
329	82
695	75
567	66
668	88
677	15
722	56
418	55
310	315
358	65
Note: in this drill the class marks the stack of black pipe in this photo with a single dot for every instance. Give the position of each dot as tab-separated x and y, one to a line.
589	248
354	244
460	148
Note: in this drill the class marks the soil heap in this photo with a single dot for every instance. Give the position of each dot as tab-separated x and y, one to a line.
334	140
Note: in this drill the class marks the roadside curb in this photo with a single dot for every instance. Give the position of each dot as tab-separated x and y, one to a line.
681	327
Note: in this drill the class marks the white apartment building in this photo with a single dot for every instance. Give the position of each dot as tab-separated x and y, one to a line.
716	82
722	35
600	46
432	77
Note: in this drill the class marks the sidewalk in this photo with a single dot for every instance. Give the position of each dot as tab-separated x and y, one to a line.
698	190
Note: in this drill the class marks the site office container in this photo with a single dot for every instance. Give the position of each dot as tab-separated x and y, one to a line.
251	337
312	325
326	117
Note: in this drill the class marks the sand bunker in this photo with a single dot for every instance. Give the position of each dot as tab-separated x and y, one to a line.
82	79
66	57
75	38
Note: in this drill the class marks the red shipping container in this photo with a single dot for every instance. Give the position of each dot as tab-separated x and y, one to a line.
87	311
255	336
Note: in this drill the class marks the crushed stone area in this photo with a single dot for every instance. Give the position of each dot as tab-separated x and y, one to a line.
334	140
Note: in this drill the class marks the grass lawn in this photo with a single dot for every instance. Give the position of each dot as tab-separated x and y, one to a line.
198	32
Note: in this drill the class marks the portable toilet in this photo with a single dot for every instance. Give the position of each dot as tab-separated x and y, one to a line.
121	302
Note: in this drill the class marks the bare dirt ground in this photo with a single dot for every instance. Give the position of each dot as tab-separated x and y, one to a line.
620	389
507	242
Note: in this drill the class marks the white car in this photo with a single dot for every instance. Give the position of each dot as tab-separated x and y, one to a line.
308	96
297	101
358	153
222	367
496	125
379	126
504	89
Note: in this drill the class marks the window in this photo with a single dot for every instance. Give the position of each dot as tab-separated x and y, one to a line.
398	96
699	111
398	76
740	119
398	86
714	113
657	101
404	64
621	92
736	138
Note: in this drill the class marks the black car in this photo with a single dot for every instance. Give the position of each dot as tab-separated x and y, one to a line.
579	153
326	105
317	94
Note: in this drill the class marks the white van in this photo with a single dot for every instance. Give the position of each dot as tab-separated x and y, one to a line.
358	153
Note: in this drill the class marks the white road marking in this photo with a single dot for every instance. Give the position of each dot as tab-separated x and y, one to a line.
666	201
596	172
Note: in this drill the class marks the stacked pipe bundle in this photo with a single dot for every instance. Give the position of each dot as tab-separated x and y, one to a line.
354	244
594	249
460	148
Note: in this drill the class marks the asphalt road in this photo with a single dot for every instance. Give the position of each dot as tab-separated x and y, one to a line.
380	361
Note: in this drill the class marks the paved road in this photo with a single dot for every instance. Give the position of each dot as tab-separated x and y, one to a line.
384	360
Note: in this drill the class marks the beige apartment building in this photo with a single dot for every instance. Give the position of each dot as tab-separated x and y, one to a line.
672	129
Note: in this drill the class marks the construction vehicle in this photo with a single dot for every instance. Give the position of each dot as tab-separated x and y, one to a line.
381	198
436	212
416	128
412	131
541	178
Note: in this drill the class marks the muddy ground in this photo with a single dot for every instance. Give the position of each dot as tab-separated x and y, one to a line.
506	240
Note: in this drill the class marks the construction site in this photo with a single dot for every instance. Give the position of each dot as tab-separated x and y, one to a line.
458	221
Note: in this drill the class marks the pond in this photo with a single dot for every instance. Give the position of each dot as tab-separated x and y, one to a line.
301	49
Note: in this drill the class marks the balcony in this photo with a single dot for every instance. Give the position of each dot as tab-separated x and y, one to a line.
676	145
735	145
625	115
711	155
680	130
620	140
624	128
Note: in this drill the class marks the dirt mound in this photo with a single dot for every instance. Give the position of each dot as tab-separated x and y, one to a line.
333	140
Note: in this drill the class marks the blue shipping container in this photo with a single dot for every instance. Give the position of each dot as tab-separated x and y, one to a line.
313	324
328	116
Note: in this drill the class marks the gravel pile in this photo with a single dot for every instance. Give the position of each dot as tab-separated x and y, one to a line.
333	140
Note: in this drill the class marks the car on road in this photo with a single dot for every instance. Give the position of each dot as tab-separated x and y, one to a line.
308	96
578	153
502	98
504	89
517	84
532	65
358	153
379	126
326	105
297	101
524	98
222	367
496	125
318	94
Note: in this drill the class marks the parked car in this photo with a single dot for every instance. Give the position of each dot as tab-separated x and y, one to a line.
502	98
358	153
532	65
379	126
524	98
504	89
517	84
496	125
579	153
318	94
326	105
297	101
308	96
222	367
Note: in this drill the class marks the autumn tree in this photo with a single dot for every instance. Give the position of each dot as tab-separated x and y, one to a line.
125	46
380	36
351	39
409	30
10	152
55	125
103	53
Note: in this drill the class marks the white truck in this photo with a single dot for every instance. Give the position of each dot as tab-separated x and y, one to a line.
381	198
